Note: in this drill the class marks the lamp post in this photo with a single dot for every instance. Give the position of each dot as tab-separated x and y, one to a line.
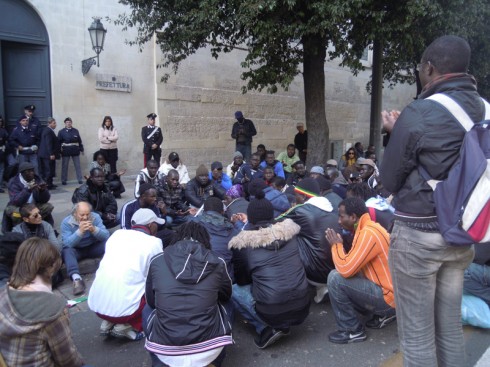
97	36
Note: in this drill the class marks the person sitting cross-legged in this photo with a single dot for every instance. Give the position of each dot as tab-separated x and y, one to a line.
201	187
117	293
26	187
148	175
271	161
362	279
96	192
271	290
33	225
172	194
83	235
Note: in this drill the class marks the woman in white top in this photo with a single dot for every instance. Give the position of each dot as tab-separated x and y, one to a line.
108	142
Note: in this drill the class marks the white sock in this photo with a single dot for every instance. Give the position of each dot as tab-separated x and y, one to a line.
76	277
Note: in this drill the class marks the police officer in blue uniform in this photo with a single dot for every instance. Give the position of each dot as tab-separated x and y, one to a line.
34	122
71	146
152	138
25	140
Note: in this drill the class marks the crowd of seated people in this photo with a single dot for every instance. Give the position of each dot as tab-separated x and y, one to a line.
227	237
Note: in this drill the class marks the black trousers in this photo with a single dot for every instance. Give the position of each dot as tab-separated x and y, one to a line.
47	169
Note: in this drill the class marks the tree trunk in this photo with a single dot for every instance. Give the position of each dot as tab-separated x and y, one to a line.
314	89
376	97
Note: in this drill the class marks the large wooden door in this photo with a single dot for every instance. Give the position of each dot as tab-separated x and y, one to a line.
24	54
26	80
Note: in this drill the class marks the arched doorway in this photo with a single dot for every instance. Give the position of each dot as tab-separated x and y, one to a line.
24	54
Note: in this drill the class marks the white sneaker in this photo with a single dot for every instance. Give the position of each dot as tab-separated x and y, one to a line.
106	327
321	292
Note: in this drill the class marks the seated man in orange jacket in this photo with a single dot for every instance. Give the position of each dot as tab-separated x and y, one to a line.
362	279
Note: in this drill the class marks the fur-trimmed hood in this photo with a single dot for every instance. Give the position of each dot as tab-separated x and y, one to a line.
263	237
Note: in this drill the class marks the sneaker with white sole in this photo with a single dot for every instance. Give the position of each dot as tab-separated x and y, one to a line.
321	292
379	322
105	328
346	336
126	331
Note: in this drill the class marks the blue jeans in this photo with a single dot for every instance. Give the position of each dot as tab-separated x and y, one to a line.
477	281
71	255
428	282
244	303
350	294
64	167
245	149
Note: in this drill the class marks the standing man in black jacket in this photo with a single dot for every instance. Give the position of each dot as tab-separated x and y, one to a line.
49	151
428	273
152	138
301	141
71	146
242	132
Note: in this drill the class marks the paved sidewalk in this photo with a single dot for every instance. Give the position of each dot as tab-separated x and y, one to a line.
307	345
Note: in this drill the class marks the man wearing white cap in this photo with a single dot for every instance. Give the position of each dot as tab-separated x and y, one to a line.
117	294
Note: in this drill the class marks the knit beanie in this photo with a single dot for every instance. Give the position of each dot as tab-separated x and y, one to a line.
201	170
213	204
255	186
324	183
260	209
309	187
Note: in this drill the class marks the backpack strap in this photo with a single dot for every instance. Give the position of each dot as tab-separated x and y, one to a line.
459	114
457	111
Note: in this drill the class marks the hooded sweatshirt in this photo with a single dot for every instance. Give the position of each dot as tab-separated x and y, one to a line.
185	285
35	336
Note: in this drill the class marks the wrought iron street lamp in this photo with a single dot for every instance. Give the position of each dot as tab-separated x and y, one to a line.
97	36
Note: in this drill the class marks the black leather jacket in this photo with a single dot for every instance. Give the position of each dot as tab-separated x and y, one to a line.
427	134
196	194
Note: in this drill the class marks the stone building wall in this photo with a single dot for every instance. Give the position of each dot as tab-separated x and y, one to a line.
196	106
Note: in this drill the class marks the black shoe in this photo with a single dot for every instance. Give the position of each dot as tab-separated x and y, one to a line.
2	190
344	337
80	182
52	187
63	182
269	336
379	322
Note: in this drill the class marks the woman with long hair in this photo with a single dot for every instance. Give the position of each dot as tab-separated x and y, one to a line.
108	142
348	159
34	321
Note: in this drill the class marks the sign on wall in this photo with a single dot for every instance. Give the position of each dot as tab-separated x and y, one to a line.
116	83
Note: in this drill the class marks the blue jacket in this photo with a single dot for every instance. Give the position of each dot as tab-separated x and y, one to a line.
25	137
71	237
70	136
278	168
278	199
225	181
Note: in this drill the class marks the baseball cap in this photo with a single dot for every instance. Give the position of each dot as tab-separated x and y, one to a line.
362	161
216	165
145	216
317	169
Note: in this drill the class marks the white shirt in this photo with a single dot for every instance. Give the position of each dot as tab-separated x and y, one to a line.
120	280
181	168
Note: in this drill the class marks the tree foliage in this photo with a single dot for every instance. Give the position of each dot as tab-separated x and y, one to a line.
284	38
